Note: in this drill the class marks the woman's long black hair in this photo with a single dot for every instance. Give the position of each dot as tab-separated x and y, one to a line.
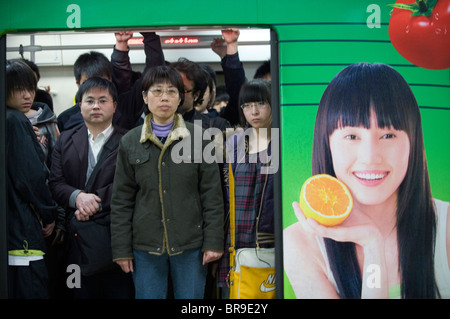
349	99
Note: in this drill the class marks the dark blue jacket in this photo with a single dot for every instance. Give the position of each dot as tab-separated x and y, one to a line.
30	202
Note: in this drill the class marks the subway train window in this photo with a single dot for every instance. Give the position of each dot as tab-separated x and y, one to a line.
55	53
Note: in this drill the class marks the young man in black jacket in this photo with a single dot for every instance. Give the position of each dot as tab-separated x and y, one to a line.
31	209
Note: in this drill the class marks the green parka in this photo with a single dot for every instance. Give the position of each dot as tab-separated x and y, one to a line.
165	199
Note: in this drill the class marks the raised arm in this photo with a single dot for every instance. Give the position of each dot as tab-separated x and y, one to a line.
131	104
233	71
120	60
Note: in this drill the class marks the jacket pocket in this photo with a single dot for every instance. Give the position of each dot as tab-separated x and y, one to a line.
145	170
137	159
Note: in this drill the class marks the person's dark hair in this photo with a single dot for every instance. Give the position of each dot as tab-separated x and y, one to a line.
19	77
222	94
262	70
163	74
34	67
194	73
349	99
211	74
92	64
253	91
211	82
97	83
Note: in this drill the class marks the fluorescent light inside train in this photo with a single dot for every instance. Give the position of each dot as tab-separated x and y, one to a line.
170	40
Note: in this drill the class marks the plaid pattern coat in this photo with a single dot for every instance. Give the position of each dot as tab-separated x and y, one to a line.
253	197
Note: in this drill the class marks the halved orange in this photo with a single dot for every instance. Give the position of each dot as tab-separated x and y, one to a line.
325	199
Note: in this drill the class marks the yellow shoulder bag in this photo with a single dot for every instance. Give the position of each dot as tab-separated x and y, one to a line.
252	270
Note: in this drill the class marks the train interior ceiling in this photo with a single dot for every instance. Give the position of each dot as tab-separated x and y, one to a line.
56	52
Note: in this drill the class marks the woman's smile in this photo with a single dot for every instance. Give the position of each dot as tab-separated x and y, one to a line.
371	177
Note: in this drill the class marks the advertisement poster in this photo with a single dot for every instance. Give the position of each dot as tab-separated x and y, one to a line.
370	34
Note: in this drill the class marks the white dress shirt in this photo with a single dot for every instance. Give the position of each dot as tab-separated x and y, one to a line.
97	144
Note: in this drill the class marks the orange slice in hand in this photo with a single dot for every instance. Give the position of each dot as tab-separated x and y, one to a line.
325	199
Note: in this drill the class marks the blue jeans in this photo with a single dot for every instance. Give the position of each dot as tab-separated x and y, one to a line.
151	273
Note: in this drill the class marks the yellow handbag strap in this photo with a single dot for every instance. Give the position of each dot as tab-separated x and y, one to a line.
232	216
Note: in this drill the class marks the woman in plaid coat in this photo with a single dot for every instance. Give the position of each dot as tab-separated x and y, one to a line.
249	151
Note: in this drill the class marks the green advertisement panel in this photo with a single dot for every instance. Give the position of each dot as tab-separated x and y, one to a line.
312	55
315	40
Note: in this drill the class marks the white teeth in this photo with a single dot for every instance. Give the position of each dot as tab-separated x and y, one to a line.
370	176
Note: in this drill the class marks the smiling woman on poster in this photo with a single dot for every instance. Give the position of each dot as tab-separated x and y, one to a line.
396	241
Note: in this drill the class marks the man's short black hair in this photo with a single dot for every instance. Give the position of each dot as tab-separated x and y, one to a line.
97	83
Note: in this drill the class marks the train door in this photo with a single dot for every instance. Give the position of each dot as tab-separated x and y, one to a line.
55	53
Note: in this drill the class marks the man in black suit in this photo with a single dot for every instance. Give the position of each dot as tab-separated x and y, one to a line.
81	179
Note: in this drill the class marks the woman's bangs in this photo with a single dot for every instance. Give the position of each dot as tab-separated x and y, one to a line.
359	116
354	102
252	95
255	91
348	108
389	113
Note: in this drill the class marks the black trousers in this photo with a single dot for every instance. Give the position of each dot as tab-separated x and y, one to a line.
28	282
112	284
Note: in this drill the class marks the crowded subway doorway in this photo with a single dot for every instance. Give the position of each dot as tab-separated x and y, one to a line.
55	54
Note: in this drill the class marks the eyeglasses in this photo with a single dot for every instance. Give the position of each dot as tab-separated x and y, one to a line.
188	91
257	105
172	92
100	102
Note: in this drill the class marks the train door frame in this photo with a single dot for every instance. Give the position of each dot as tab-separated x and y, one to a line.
275	103
3	195
276	122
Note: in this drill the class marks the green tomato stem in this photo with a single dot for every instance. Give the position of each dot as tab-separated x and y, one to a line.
418	8
422	6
